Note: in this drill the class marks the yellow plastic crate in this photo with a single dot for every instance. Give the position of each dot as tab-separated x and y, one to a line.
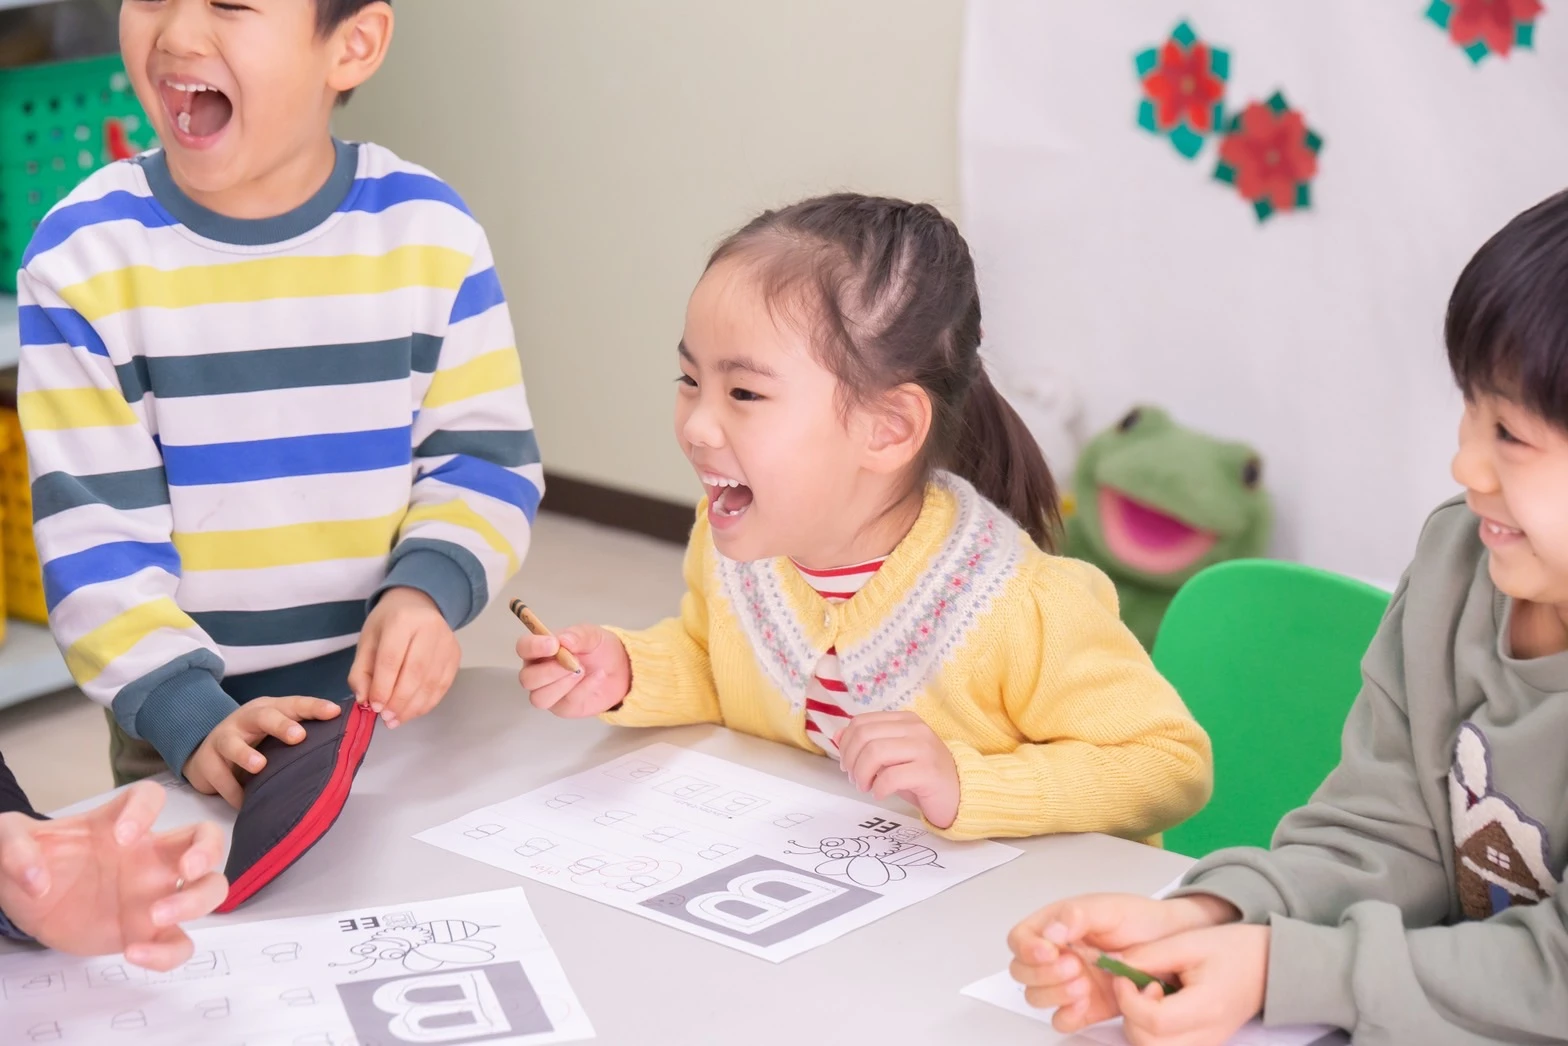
24	580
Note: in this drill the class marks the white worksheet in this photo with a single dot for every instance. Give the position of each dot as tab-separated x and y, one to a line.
460	970
731	854
1001	990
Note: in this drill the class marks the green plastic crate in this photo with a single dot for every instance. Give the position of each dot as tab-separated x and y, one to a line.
54	132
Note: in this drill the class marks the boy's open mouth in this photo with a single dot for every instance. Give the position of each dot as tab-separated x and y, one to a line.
198	110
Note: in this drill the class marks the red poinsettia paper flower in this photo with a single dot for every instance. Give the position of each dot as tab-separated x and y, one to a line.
1270	155
1183	85
1491	21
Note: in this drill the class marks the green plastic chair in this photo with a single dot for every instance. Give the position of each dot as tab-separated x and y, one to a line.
1267	655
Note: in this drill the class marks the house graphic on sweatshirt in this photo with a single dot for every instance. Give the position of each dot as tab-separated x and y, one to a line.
1501	852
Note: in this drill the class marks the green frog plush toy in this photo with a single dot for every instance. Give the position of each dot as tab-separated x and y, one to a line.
1153	503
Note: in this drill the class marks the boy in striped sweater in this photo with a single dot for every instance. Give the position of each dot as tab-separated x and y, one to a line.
279	440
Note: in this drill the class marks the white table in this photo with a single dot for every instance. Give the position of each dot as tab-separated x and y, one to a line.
644	984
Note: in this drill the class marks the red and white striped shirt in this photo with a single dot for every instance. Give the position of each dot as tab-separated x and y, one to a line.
826	710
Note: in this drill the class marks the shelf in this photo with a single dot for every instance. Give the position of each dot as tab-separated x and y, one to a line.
24	3
10	335
30	664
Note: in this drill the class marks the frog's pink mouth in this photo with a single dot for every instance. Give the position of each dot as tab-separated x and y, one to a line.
1147	539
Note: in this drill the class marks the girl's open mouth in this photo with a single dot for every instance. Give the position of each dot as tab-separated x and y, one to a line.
727	498
198	111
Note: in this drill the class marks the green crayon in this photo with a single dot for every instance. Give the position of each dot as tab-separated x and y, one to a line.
1138	977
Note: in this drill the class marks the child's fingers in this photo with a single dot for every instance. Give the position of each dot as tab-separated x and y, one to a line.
233	749
542	675
272	722
903	777
391	651
411	678
874	756
139	807
192	901
863	730
299	708
161	955
1145	1020
548	696
1054	973
200	847
537	648
1027	939
364	660
214	770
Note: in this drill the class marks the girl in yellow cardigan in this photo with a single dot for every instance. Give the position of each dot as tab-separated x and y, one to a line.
867	575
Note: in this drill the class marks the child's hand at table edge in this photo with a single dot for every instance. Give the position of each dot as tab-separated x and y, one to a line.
1053	973
605	681
1223	972
896	753
231	744
408	656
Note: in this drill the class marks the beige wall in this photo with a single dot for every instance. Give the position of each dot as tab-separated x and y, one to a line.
607	144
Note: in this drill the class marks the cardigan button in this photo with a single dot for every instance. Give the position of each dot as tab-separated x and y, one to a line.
827	619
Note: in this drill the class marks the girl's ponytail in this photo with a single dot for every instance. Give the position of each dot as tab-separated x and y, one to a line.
997	453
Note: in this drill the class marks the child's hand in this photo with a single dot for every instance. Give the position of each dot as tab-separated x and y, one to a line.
1223	972
408	656
896	753
210	769
99	883
1048	966
604	683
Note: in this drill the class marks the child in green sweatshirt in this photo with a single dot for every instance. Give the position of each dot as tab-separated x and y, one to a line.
1418	897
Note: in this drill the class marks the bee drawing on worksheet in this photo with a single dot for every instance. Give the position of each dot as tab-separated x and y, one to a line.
425	947
868	860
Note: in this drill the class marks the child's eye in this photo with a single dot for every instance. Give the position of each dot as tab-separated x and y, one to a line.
1506	436
686	380
744	395
231	7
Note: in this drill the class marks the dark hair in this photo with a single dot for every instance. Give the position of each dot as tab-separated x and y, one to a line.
332	13
888	288
1507	324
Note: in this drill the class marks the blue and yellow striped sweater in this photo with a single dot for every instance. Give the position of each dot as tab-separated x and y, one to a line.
240	432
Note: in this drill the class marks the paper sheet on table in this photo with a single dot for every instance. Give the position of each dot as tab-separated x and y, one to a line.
1001	990
719	850
411	973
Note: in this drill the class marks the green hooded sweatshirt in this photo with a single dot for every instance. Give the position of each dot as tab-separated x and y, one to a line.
1418	897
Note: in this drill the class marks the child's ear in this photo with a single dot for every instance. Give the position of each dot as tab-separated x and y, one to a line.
361	41
898	426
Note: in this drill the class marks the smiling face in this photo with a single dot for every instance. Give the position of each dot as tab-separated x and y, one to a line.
787	470
241	94
1513	465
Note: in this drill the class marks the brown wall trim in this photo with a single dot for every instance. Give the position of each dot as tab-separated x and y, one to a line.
657	518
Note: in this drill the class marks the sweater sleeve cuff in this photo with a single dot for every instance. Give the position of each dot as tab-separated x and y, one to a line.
1310	970
1248	889
439	573
179	713
990	803
659	687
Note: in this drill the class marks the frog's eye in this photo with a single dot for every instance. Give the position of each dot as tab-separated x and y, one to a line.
1251	473
1130	422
